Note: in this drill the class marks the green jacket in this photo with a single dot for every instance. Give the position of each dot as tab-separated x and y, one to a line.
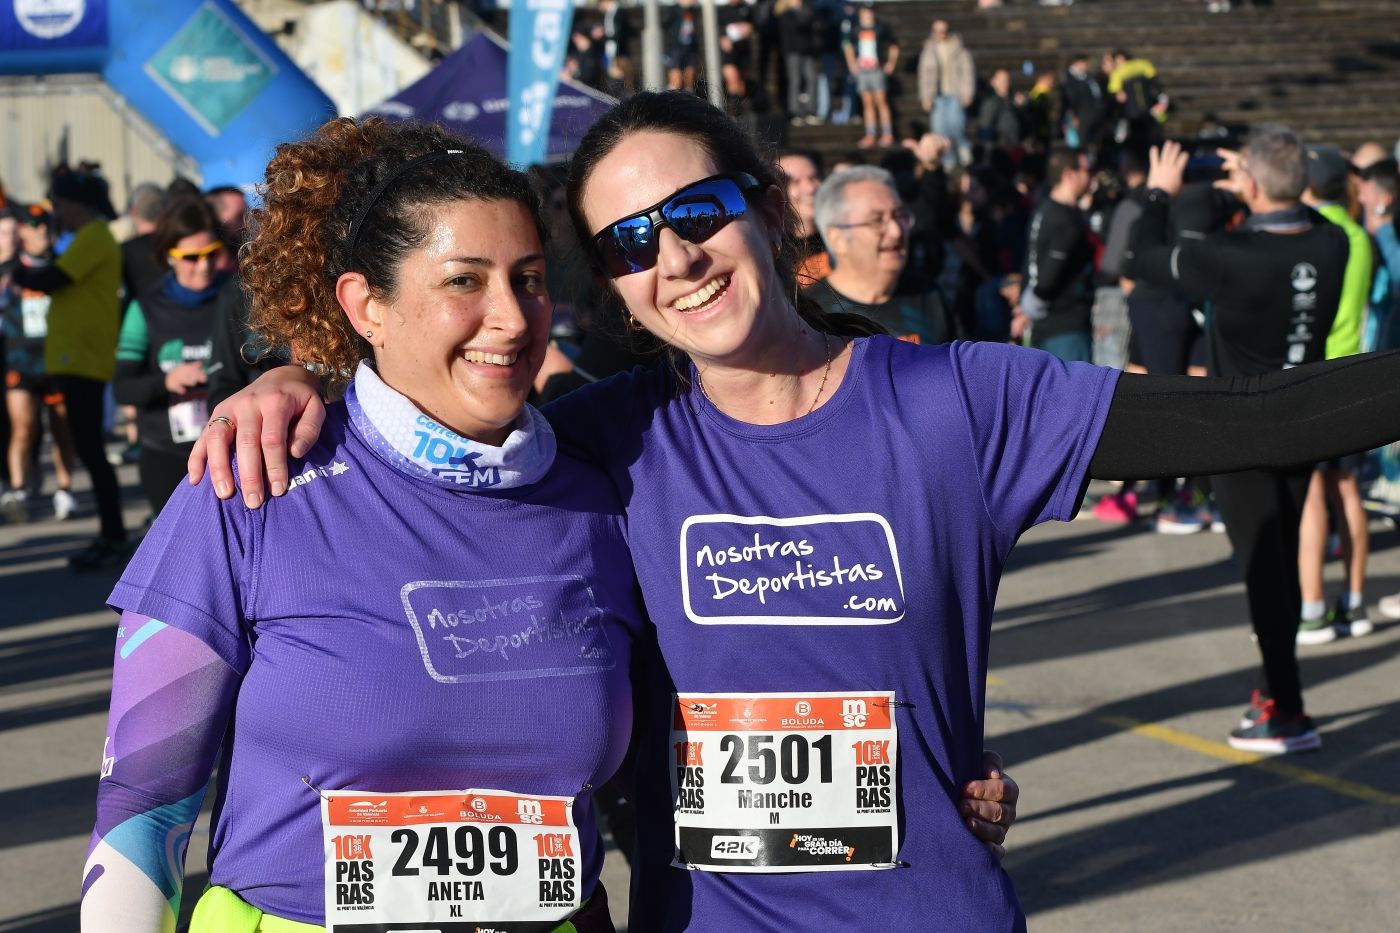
1345	337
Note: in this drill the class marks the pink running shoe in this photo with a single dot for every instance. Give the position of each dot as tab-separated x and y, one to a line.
1117	509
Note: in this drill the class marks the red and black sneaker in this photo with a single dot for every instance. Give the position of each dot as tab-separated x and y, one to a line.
1265	731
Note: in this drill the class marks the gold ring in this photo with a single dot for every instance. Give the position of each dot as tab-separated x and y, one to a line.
224	418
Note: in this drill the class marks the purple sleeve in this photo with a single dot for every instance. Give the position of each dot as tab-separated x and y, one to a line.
172	696
196	571
1035	422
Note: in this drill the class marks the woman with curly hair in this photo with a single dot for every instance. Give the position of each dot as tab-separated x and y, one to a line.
432	632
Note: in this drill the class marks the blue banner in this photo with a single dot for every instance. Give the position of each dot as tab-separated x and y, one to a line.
539	37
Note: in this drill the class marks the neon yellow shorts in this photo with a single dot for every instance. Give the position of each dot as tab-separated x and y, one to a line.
219	910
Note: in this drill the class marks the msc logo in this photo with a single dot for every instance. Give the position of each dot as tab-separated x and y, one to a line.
736	847
853	713
529	811
802	708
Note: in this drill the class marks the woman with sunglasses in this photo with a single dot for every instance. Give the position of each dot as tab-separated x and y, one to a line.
165	344
819	519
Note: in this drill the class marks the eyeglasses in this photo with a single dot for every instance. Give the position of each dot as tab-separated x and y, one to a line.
694	213
195	255
879	222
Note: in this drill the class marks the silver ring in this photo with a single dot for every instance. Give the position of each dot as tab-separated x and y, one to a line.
224	418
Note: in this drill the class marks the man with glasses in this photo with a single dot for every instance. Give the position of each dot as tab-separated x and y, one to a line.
866	230
1056	300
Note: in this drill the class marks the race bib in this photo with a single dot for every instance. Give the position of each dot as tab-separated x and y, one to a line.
187	419
34	311
449	861
783	782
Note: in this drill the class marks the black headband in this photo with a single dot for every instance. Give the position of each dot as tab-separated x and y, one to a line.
383	186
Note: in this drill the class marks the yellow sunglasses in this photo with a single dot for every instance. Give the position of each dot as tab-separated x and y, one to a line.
195	255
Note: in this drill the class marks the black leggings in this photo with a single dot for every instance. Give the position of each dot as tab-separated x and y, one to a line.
162	471
83	398
1260	435
1262	510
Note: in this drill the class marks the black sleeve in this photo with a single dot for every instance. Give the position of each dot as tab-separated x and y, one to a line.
1055	246
1162	426
235	358
133	383
44	279
1191	268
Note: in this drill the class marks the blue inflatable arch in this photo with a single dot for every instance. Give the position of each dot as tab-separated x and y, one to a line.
200	71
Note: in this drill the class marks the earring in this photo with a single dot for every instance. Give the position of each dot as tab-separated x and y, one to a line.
368	334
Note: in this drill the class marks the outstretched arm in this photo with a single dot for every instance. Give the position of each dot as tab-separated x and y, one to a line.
172	696
1183	426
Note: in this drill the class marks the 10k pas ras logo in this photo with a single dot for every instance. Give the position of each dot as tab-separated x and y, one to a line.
810	570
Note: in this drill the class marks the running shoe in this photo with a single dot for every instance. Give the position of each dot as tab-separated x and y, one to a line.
867	141
1269	733
101	553
15	504
1350	623
64	504
1257	704
1179	519
1117	509
1389	606
1211	518
1317	631
887	139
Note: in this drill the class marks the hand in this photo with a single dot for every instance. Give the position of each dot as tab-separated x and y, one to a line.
889	68
929	149
989	805
1167	167
283	403
1019	324
184	377
1232	163
926	104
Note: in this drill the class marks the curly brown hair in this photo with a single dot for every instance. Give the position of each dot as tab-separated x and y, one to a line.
314	191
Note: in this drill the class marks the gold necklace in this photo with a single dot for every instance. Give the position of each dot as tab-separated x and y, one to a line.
826	372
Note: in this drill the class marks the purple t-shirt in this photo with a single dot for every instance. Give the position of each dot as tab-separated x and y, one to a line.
923	469
395	633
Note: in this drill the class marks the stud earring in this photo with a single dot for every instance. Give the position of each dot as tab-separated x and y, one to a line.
368	334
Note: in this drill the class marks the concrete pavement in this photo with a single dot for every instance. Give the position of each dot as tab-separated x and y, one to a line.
1121	660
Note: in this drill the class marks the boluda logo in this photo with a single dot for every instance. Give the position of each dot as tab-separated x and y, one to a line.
745	848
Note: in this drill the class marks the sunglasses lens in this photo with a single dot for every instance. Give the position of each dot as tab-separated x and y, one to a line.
628	246
700	211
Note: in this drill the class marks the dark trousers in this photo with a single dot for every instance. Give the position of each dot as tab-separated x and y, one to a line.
162	471
1262	510
83	398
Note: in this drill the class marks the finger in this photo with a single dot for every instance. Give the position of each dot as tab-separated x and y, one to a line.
991	762
276	425
250	473
990	811
985	830
216	438
307	427
194	464
998	850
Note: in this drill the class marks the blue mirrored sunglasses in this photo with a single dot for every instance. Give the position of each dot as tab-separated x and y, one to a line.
694	213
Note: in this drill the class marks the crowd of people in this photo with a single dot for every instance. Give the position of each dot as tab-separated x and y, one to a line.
109	319
834	61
